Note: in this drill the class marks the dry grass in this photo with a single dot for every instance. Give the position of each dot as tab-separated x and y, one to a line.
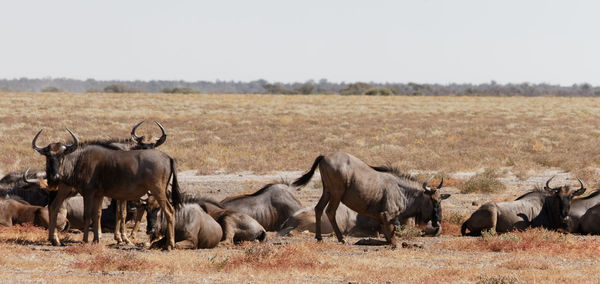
263	133
485	182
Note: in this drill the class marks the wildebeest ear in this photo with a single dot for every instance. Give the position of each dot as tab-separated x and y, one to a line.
445	196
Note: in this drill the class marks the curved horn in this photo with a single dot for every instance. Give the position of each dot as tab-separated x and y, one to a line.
133	135
72	147
425	187
29	181
548	182
581	184
34	144
163	137
441	183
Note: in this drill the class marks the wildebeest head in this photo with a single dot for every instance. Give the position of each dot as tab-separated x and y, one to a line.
562	199
152	210
140	139
432	207
54	153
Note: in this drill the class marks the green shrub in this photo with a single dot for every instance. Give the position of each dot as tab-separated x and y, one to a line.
485	182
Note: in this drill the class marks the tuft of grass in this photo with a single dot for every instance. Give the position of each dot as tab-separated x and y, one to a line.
497	279
300	256
25	234
408	232
485	182
111	261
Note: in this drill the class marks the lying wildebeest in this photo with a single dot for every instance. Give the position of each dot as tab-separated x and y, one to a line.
270	206
548	208
304	220
380	193
95	171
14	212
29	187
236	226
590	221
579	207
75	212
194	228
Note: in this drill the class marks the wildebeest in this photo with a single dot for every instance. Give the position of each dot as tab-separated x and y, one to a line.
236	226
548	208
194	228
579	207
304	220
590	221
29	187
75	212
14	212
270	206
349	222
380	193
95	171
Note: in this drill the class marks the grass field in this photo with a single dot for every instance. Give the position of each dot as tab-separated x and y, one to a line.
217	134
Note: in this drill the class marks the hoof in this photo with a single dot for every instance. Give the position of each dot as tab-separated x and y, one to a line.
342	241
319	239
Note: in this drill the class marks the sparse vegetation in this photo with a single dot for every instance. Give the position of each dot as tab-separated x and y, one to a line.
485	182
179	90
51	89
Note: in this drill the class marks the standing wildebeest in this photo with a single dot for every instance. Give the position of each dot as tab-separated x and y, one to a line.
18	212
376	192
194	228
134	143
95	172
579	207
548	208
590	221
270	206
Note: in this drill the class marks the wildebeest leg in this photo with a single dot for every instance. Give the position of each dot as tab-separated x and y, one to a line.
123	229
121	216
88	213
118	222
63	192
139	214
331	210
169	213
97	214
388	229
319	212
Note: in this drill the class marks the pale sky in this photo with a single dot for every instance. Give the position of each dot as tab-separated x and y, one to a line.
424	41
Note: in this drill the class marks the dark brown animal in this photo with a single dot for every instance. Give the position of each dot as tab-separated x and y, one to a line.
579	207
376	192
270	206
31	187
95	171
238	227
590	221
548	208
194	228
13	212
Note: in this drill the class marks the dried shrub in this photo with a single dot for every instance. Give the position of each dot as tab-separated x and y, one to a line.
111	261
408	232
485	182
91	249
25	234
266	256
497	279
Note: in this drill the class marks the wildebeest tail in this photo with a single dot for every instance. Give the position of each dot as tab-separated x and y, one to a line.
303	180
463	228
176	199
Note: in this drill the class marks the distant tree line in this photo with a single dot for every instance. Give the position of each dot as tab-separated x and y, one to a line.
309	87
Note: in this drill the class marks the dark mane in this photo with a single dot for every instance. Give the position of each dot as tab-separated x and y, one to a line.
107	143
201	200
536	190
258	192
394	171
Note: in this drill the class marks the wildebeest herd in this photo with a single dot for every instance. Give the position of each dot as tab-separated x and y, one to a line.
123	179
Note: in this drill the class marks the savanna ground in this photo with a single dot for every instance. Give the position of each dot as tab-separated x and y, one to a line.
231	144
